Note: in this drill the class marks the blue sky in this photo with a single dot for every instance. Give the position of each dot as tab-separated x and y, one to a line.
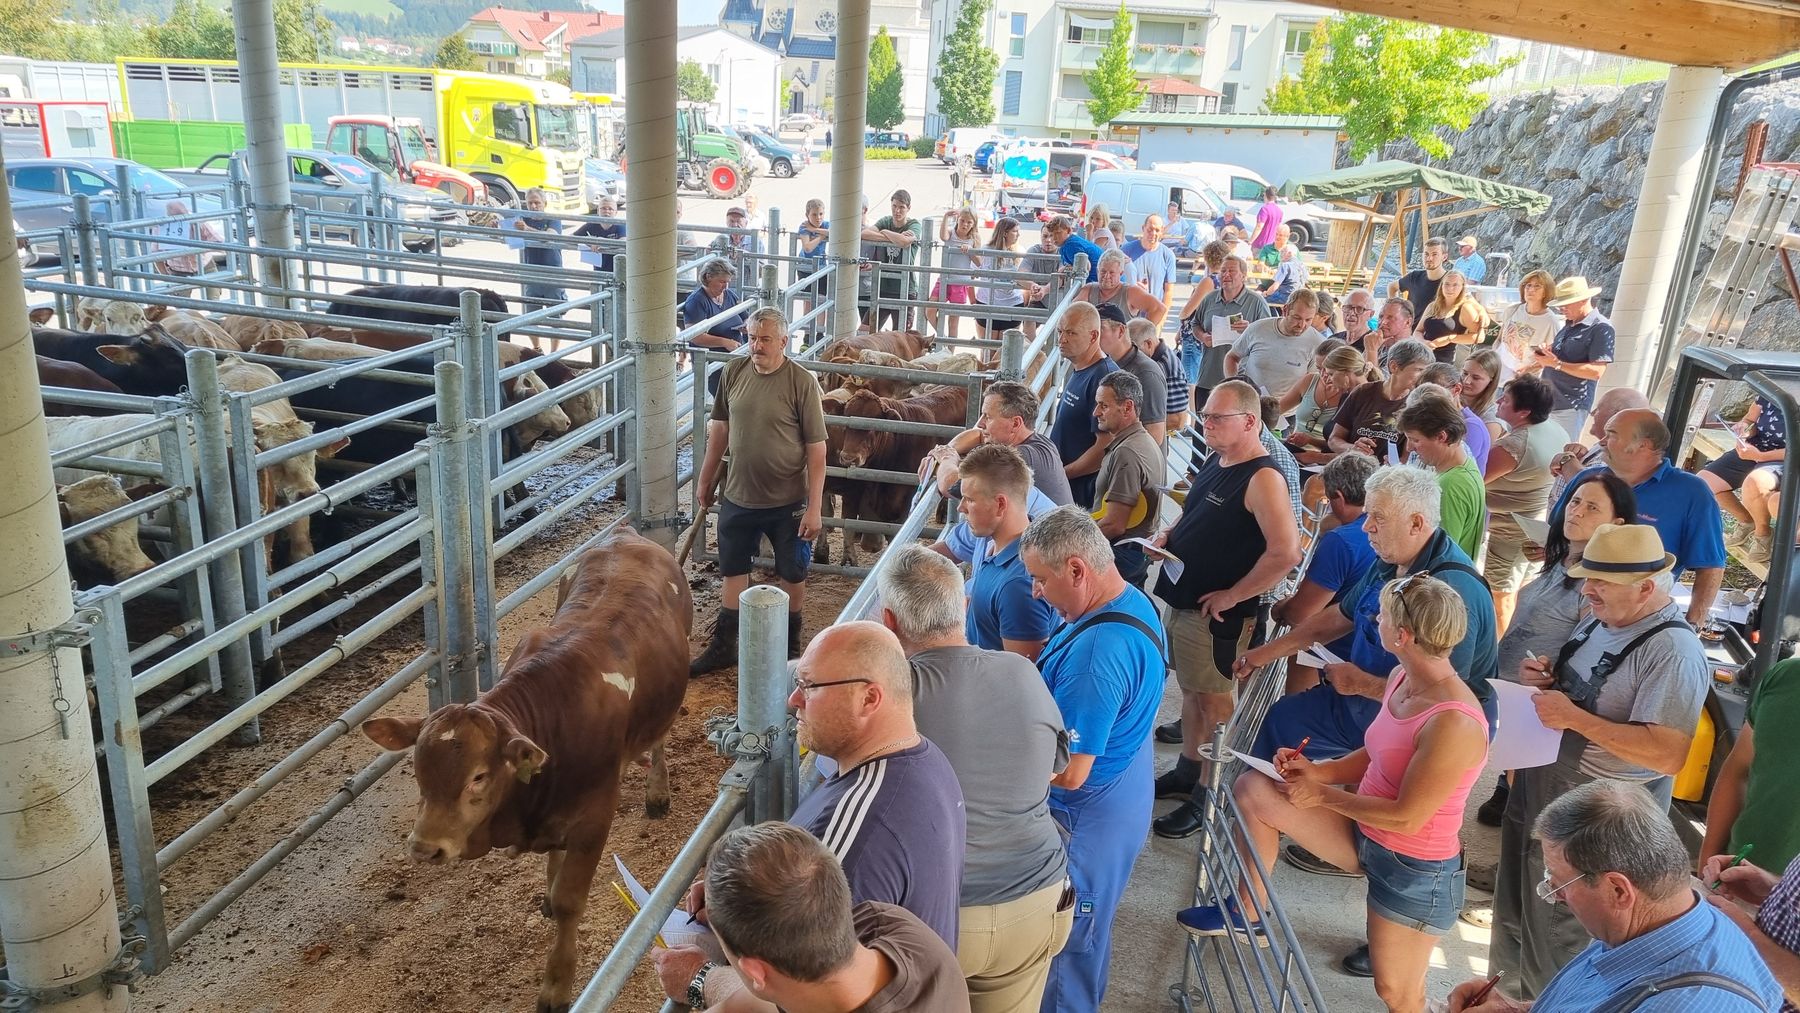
691	12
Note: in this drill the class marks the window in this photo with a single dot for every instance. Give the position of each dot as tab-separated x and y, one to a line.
1160	33
1228	97
37	177
1009	96
1089	36
1194	205
82	181
1240	34
1016	31
1293	49
511	123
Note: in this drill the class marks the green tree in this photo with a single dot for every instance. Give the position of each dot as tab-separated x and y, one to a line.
693	83
560	75
886	106
33	30
453	53
302	34
1390	80
787	95
193	30
1113	82
966	69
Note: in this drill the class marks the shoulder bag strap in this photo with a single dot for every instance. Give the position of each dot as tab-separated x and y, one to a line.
1686	979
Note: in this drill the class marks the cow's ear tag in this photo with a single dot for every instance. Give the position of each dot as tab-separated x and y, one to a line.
525	769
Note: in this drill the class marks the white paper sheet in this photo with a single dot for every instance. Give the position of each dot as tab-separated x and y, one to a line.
677	931
1222	334
1324	654
591	257
1522	740
1261	766
1393	456
1172	566
1537	532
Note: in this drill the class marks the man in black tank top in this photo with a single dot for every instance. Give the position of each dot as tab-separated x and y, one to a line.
1237	537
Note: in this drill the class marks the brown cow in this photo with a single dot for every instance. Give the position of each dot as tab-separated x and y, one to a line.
57	373
881	451
535	763
905	344
248	330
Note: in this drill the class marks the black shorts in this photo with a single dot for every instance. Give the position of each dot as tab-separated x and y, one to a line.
741	530
1732	469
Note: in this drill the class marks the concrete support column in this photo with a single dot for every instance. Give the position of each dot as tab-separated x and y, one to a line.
1652	253
57	912
253	22
650	256
849	118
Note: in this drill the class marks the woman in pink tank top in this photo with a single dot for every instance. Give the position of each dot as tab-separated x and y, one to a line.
1401	824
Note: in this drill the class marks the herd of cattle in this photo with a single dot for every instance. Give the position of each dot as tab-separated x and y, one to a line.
124	347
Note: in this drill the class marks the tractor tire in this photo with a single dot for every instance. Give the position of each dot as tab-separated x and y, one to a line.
724	179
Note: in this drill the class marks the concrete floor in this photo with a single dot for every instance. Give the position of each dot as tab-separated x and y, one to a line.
1327	913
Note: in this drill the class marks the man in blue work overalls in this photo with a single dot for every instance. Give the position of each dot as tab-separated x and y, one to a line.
1105	668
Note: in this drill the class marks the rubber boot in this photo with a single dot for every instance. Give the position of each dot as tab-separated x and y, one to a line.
796	642
722	652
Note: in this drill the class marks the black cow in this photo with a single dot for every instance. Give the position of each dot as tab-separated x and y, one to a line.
427	304
152	363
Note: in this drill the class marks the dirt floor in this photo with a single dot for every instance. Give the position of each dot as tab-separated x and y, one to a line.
347	923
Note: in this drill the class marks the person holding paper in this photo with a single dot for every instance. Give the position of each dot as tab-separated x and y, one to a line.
1518	480
1401	826
1551	606
1368	420
1626	691
1237	538
600	256
1221	317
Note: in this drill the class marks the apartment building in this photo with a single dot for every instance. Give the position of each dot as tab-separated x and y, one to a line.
804	33
531	43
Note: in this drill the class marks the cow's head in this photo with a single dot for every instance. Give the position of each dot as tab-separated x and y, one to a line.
157	361
42	315
114	549
115	316
551	422
467	760
860	445
297	477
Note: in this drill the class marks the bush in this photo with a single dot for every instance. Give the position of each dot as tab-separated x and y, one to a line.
878	155
925	147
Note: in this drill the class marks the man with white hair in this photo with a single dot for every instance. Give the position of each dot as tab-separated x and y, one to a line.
1016	904
1626	692
1105	668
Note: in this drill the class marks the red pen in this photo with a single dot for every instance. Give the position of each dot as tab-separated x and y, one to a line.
1297	749
1480	997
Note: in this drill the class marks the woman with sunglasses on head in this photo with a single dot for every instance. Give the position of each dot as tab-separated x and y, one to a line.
1401	825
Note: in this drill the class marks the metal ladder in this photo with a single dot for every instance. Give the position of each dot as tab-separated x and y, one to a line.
1761	222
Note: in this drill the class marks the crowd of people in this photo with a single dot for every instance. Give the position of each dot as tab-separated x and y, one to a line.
1457	531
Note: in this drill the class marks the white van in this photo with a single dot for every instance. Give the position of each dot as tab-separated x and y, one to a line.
1061	189
961	142
1132	195
1244	189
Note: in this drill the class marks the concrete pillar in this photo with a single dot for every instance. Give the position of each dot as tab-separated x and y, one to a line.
1652	254
259	70
849	118
57	912
650	255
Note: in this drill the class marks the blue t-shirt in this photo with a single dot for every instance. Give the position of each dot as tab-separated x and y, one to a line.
1075	427
1076	244
1343	555
700	306
967	547
1155	267
1107	682
1476	658
1681	508
1001	606
1587	340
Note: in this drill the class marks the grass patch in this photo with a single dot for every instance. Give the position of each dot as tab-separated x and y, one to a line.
879	155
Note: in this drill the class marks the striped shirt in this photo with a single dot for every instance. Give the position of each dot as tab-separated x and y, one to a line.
1779	916
896	825
1703	939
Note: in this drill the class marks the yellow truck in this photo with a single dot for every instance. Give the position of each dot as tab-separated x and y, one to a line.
510	133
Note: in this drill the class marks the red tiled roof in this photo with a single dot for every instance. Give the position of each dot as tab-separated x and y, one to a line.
1177	86
532	29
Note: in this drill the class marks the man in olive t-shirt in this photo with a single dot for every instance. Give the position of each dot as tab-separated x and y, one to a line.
769	416
1127	496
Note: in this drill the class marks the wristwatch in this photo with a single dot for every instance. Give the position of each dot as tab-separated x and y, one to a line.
696	990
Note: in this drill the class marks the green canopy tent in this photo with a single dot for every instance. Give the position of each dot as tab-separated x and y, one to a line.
1359	189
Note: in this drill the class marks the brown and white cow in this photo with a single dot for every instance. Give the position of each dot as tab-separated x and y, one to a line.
111	554
248	330
193	329
905	344
110	316
535	763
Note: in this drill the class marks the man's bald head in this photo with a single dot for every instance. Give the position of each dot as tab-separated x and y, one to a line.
1616	400
1642	424
864	650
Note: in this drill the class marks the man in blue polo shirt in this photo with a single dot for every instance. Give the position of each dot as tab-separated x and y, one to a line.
1678	504
1401	519
1069	241
1104	667
1075	431
1003	615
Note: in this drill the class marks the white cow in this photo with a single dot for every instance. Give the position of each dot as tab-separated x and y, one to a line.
276	425
113	552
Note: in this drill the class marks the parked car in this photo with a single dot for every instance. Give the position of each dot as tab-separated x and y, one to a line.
984	156
601	178
800	121
43	190
961	142
760	165
784	159
329	181
1133	194
897	139
1244	189
1057	184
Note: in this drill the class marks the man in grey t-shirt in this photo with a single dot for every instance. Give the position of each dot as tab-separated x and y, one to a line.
1276	352
1153	409
992	715
1240	305
1009	412
1626	692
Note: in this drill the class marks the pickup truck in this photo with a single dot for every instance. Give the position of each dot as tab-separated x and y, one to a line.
329	181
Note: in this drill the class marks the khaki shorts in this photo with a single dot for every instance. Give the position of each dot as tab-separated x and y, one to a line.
1506	567
1205	649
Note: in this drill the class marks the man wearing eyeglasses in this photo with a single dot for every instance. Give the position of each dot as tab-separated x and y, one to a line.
1626	692
1358	309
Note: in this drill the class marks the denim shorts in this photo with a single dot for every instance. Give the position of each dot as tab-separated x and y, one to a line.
1418	893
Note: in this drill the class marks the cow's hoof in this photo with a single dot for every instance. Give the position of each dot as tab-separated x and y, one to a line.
544	907
656	809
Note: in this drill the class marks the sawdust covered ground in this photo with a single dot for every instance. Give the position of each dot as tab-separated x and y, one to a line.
347	923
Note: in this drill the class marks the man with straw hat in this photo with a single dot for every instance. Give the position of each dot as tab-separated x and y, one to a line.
1577	356
1626	693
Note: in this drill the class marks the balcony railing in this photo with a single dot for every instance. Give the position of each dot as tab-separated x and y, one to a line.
1185	61
494	48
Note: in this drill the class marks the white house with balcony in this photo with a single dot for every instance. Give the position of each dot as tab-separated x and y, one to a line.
804	33
1212	56
746	76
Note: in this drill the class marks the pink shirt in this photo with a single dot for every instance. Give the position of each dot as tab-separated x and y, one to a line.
1391	745
1268	219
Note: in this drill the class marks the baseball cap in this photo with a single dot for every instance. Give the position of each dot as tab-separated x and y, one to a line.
1109	311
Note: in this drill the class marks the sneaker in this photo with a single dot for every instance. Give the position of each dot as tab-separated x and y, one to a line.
1494	809
1760	548
1306	861
1212	920
1739	536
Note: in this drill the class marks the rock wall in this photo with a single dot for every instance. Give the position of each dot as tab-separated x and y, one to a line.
1586	148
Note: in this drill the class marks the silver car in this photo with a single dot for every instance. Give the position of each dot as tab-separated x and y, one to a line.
43	189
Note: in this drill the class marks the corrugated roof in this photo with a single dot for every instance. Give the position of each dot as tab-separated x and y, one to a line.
1176	86
1245	121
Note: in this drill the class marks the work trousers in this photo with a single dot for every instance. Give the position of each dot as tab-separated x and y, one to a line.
1005	948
